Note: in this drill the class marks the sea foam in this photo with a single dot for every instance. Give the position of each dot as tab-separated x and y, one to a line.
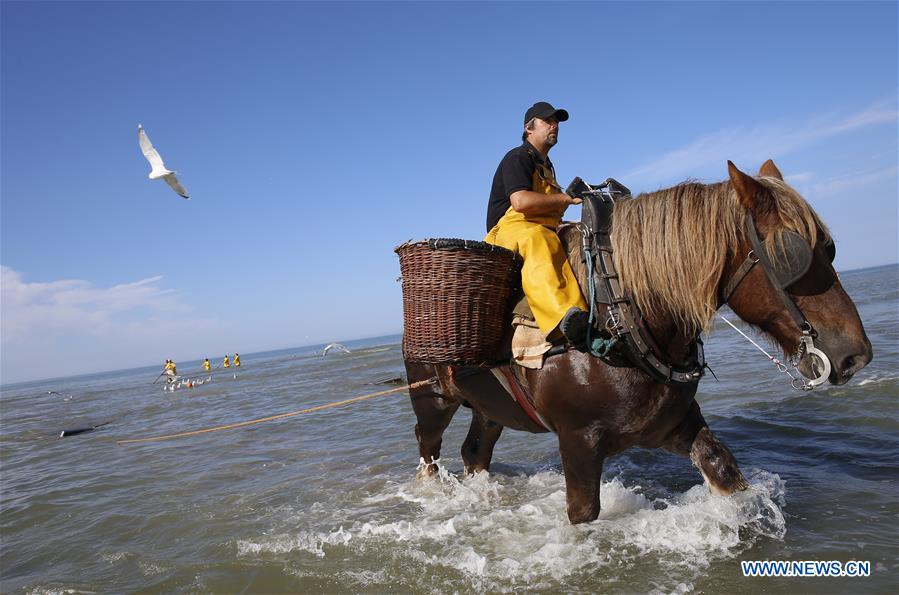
506	532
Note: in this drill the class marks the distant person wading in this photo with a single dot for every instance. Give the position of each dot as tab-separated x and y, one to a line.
170	368
525	208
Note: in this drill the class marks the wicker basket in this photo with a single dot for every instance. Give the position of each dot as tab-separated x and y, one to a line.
456	300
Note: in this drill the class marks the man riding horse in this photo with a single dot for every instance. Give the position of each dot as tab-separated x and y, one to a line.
677	255
525	208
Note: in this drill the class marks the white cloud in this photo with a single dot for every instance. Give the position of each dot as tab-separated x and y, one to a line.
802	177
852	182
755	145
76	306
880	113
71	326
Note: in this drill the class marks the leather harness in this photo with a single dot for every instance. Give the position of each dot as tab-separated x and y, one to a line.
629	335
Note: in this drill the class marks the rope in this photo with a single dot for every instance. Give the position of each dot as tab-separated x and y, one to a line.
274	417
780	365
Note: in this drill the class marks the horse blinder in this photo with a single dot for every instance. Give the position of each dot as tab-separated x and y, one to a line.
791	264
830	249
791	258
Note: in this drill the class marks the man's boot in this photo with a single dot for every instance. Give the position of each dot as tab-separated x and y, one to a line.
574	327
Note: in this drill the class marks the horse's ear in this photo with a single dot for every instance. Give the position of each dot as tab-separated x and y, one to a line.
770	170
750	193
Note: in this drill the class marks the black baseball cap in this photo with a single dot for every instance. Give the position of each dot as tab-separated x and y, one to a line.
544	110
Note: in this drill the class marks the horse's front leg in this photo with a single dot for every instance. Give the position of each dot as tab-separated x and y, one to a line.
477	450
582	459
715	462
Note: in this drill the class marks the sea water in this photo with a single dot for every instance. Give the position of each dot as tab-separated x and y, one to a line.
327	501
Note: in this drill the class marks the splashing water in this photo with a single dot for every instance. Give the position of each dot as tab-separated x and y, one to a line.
501	532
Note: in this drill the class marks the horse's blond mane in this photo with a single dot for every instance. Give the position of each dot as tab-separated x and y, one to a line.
670	246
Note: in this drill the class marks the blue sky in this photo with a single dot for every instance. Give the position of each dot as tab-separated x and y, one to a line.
315	137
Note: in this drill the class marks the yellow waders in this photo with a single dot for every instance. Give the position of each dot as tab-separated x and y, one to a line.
547	278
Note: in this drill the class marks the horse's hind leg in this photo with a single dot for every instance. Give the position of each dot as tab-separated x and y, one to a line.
715	462
477	450
434	413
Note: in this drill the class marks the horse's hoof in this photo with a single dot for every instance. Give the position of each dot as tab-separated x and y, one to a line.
717	464
426	471
726	487
472	471
586	514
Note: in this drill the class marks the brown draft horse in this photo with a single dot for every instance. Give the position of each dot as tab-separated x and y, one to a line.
675	250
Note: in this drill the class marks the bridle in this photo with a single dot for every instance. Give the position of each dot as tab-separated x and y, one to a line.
793	259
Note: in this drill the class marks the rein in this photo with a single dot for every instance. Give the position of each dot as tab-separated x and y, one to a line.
797	383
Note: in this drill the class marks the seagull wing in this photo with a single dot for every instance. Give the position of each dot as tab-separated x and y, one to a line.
172	181
151	154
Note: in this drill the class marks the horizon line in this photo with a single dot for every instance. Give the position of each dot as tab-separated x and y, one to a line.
5	386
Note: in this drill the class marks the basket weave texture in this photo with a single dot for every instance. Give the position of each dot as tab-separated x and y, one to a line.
456	300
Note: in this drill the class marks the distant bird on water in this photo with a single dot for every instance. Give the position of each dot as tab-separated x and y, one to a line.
159	169
336	346
66	397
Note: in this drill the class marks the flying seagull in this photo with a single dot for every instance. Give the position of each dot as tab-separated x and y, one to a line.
159	169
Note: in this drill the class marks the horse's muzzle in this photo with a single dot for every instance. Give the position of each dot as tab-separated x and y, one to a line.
844	362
